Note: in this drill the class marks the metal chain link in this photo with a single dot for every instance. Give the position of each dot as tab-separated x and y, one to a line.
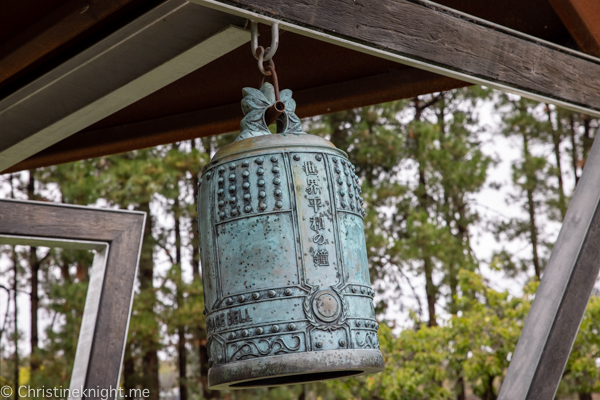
270	52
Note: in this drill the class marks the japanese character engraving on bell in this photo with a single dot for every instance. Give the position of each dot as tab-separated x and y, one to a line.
286	283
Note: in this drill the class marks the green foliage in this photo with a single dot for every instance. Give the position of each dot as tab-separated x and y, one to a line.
421	164
428	362
582	371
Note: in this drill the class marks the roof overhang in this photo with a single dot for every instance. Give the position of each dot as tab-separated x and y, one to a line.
176	71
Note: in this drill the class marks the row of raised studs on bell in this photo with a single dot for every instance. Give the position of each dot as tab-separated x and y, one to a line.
262	206
260	331
261	182
351	195
248	209
367	324
341	342
350	166
343	201
271	293
246	173
246	185
344	162
246	163
363	290
351	180
352	207
317	157
350	185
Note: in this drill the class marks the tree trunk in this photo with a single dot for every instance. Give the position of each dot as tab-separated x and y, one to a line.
574	157
182	358
556	139
196	238
430	288
585	396
149	345
34	265
461	393
533	233
150	370
128	370
16	320
181	351
587	139
201	335
302	395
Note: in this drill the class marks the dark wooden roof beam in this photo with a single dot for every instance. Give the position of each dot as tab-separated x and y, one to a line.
582	19
426	35
393	85
153	51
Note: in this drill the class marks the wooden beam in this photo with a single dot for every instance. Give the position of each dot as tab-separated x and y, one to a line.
582	19
103	334
153	51
429	36
547	338
51	32
394	85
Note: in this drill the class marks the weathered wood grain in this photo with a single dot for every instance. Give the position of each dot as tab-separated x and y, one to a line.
113	315
444	42
552	323
55	221
122	230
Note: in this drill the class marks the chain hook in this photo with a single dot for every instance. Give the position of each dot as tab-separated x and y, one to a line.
273	112
270	52
261	60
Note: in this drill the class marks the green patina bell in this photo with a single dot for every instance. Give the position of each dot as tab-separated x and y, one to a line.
286	281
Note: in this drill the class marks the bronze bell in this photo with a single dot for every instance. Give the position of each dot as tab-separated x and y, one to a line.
286	282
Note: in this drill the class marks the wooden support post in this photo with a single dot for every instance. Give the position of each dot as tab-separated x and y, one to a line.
556	313
117	237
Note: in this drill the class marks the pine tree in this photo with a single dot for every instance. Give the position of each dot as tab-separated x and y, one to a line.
530	178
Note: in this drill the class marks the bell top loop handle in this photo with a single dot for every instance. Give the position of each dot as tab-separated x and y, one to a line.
270	52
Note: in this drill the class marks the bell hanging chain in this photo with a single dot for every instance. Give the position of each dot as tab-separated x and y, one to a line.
262	55
274	41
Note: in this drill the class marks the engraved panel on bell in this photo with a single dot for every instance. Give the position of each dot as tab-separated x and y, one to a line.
354	249
266	346
315	218
325	340
256	253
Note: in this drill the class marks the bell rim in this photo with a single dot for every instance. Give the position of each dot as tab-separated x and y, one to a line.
274	141
347	362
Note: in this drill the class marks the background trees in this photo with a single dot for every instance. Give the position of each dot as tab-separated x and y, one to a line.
448	328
